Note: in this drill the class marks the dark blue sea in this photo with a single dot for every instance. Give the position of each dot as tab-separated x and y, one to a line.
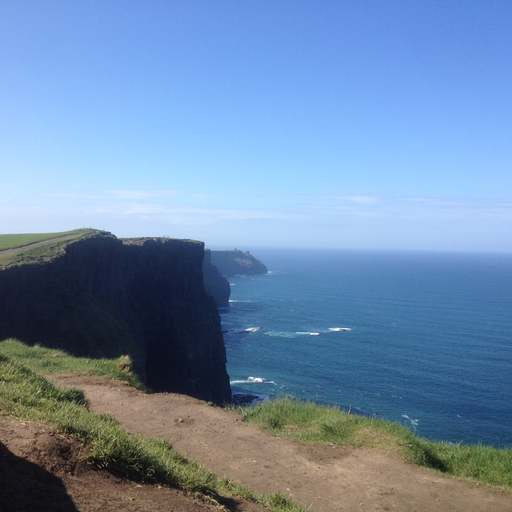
429	343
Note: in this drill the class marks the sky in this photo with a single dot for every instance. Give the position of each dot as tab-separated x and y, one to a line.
244	123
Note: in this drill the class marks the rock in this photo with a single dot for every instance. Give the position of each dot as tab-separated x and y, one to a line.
214	283
106	297
231	263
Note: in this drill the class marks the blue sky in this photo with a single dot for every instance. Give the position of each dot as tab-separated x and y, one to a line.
347	124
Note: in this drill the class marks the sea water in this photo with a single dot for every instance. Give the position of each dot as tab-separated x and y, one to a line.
426	339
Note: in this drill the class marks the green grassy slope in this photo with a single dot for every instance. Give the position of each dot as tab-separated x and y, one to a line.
34	252
26	395
20	240
313	423
46	361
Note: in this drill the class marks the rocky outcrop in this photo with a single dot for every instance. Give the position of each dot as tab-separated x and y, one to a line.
232	263
214	283
104	297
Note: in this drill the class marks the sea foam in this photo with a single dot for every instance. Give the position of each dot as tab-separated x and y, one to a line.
414	423
253	380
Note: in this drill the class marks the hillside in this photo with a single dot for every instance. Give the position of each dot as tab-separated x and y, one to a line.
94	295
58	442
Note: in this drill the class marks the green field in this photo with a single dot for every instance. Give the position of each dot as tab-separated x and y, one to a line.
20	240
22	249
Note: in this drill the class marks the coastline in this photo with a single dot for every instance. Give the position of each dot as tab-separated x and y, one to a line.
242	397
432	354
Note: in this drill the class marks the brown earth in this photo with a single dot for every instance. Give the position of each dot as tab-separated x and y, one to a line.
323	477
44	470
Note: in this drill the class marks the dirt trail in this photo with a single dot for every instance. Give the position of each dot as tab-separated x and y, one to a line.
326	478
42	469
35	244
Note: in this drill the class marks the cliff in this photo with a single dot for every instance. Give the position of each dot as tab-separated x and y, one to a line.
104	297
231	263
214	283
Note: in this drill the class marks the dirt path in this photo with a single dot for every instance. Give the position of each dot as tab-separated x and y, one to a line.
35	244
42	470
327	478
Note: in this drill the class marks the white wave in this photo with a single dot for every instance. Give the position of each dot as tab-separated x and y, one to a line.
414	423
253	380
249	329
336	329
280	334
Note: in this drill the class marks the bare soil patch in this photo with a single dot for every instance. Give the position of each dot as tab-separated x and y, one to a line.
324	477
42	470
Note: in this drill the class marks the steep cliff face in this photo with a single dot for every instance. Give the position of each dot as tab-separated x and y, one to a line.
232	263
214	283
108	297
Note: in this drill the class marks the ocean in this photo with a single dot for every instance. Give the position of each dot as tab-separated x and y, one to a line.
428	339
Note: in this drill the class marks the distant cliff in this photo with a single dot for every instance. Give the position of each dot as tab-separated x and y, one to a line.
232	263
104	297
214	283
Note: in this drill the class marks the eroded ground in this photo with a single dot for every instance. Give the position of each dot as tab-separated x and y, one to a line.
42	470
327	478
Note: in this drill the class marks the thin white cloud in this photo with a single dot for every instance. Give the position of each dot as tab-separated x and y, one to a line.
162	203
390	222
389	210
356	199
438	201
118	194
201	196
407	209
141	208
142	194
75	195
181	213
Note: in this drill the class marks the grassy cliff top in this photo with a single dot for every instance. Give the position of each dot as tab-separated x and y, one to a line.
23	239
142	240
25	248
232	263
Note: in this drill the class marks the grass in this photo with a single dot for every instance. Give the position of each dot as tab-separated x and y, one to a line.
20	240
28	254
25	394
46	361
314	423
